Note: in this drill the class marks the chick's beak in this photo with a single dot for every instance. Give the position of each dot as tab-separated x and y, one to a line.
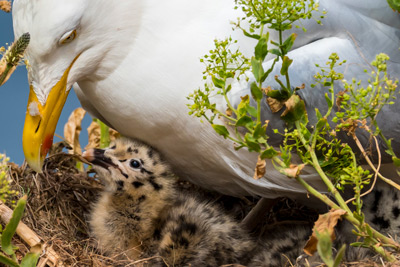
96	157
41	121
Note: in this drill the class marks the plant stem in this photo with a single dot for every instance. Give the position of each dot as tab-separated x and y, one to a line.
104	134
317	194
282	55
359	145
342	204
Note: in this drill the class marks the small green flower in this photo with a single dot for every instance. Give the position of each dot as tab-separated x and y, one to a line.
6	193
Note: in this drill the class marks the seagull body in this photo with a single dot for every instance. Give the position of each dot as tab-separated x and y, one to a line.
133	63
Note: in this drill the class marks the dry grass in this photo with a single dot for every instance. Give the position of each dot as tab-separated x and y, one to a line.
58	203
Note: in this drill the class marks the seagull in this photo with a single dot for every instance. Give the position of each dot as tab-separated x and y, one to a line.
133	63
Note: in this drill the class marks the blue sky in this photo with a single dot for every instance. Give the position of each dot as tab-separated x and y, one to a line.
13	101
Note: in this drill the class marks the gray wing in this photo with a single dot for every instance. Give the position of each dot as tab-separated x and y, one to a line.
356	31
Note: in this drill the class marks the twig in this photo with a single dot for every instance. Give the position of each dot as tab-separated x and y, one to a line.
376	172
359	145
29	236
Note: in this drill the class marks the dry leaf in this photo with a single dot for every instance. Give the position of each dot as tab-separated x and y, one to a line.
94	135
72	130
5	6
300	87
260	168
274	104
228	112
36	249
294	170
339	99
290	104
351	126
325	222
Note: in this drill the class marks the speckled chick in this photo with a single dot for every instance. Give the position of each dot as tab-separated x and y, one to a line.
142	214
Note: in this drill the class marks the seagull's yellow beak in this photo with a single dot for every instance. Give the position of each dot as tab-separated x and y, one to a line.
41	121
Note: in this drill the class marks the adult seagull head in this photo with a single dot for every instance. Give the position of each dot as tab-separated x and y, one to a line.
69	41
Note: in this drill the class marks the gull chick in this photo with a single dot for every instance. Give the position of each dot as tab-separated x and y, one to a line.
141	213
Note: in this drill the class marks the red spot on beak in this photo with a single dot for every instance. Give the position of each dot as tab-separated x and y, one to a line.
48	141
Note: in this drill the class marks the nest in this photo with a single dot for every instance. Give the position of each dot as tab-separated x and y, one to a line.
59	201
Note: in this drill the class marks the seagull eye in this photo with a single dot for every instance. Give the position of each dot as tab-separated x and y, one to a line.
68	37
135	164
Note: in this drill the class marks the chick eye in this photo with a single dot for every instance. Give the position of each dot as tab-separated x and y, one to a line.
68	37
135	164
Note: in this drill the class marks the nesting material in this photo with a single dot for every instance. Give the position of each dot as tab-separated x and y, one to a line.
59	201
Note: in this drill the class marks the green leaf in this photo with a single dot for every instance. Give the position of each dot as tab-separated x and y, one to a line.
243	106
218	82
278	94
339	256
326	83
318	114
275	52
390	149
266	74
274	43
259	130
394	4
287	45
221	129
7	261
324	247
258	69
254	36
285	65
9	231
252	111
251	143
244	121
295	110
32	257
357	244
321	123
396	161
268	153
256	92
328	100
261	49
228	88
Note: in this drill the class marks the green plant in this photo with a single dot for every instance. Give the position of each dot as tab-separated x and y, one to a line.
317	145
6	193
324	247
31	258
104	134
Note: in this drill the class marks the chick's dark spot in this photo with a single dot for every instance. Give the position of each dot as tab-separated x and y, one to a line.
120	185
137	184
